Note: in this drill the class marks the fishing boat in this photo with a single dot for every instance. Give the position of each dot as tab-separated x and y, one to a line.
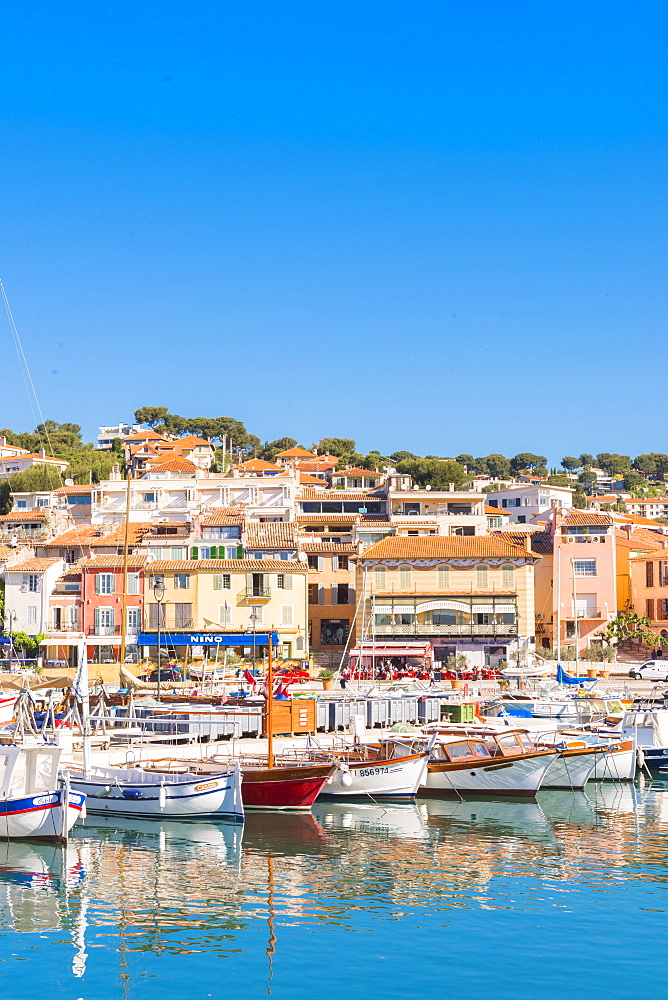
493	763
147	791
575	764
376	771
7	703
34	800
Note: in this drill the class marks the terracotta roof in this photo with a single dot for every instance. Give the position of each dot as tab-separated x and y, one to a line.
220	516
446	547
72	489
585	517
380	521
191	441
307	480
6	551
326	518
33	566
661	553
296	453
635	502
143	435
640	539
345	548
359	472
236	565
496	510
171	465
316	466
75	536
461	594
259	465
136	532
337	496
38	514
114	562
271	534
31	454
541	541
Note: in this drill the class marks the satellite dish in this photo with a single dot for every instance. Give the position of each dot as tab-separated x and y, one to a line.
302	557
69	482
428	487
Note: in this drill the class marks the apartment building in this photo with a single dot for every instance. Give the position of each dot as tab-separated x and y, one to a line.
531	503
331	596
648	507
649	589
241	595
436	596
28	588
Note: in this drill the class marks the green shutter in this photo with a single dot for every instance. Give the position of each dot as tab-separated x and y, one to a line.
195	552
240	551
213	554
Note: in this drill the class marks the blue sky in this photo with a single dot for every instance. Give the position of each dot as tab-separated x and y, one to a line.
437	227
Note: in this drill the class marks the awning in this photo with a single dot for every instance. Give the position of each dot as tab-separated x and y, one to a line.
417	649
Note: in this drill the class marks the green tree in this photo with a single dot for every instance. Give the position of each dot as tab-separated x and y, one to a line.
613	464
586	461
151	415
400	456
527	460
633	481
570	463
580	499
558	480
335	446
498	466
270	449
428	472
465	460
629	625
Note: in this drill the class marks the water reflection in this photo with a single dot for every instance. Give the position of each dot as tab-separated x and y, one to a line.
220	890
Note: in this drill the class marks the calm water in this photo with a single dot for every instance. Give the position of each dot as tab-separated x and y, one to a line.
523	899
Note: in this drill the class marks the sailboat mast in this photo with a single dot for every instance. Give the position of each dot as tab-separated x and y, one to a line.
270	701
124	609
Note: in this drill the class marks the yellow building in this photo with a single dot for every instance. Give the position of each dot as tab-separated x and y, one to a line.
242	595
472	595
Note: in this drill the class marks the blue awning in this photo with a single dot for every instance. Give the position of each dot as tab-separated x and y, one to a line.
207	639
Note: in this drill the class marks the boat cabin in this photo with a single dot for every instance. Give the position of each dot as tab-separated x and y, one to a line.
28	771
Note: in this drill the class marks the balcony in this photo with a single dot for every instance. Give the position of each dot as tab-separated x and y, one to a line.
255	595
436	630
104	630
590	613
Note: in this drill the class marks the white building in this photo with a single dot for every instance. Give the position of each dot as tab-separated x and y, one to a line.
28	587
529	503
106	435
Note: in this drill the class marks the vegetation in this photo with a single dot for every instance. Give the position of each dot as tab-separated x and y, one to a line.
629	625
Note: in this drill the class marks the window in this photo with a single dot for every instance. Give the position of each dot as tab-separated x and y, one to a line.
183	615
313	593
222	581
287	614
204	552
343	562
182	581
133	584
482	577
31	614
405	619
177	552
649	574
333	633
341	592
280	581
155	553
443	577
405	577
649	606
224	614
584	567
105	621
148	497
508	574
73	618
22	504
663	573
33	583
134	620
441	617
105	583
662	609
312	562
42	502
153	615
234	552
379	574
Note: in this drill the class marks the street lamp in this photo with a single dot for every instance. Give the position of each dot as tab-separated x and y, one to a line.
159	595
9	617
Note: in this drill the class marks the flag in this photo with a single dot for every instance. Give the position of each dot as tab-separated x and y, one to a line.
80	682
248	677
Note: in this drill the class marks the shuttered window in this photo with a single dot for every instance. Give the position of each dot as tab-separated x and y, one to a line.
482	577
508	573
287	614
443	577
222	581
405	577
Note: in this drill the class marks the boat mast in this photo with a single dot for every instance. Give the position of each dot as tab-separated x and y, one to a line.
124	608
558	600
270	701
576	621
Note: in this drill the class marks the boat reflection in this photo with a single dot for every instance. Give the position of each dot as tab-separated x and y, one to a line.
387	821
220	841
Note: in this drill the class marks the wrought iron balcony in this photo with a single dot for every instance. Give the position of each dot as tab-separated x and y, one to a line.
435	630
255	595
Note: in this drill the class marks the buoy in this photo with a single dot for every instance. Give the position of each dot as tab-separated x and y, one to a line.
346	778
162	798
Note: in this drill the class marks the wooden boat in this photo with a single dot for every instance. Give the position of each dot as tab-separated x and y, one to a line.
380	771
34	800
494	763
575	764
156	790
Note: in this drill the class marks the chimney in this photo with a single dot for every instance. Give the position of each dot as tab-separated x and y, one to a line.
451	487
42	453
3	441
527	542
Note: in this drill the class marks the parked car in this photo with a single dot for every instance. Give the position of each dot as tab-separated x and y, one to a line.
169	674
651	670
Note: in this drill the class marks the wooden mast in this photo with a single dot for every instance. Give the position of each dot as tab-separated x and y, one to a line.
124	610
270	702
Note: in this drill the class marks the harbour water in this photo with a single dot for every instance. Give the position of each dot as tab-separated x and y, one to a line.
504	898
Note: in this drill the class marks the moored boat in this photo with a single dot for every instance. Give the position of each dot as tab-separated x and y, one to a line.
34	800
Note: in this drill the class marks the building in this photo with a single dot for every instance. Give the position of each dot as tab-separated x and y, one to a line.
648	507
102	605
107	435
242	595
451	594
331	596
632	541
531	503
27	460
28	588
452	512
649	589
356	479
292	455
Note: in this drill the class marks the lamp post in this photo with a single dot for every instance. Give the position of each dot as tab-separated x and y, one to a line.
159	595
9	617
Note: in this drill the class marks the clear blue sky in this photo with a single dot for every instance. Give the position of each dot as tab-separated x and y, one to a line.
437	226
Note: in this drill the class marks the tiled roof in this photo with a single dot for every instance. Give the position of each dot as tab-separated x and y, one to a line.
462	595
585	517
307	480
359	472
639	503
296	453
6	551
446	547
115	562
226	565
221	516
63	490
271	534
378	521
640	539
338	495
653	554
136	531
496	511
143	435
327	518
259	465
344	548
33	566
75	536
171	465
541	541
315	466
40	458
23	515
190	441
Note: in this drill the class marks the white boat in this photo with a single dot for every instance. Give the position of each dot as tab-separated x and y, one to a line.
400	820
574	766
391	775
161	792
34	800
7	703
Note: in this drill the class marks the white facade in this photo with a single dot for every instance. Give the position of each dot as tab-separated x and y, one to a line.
28	588
106	435
525	504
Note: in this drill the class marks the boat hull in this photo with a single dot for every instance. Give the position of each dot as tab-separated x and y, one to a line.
39	816
386	779
618	764
572	769
521	776
283	787
115	793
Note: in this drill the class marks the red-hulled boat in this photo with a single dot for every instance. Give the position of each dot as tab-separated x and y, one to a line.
283	787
